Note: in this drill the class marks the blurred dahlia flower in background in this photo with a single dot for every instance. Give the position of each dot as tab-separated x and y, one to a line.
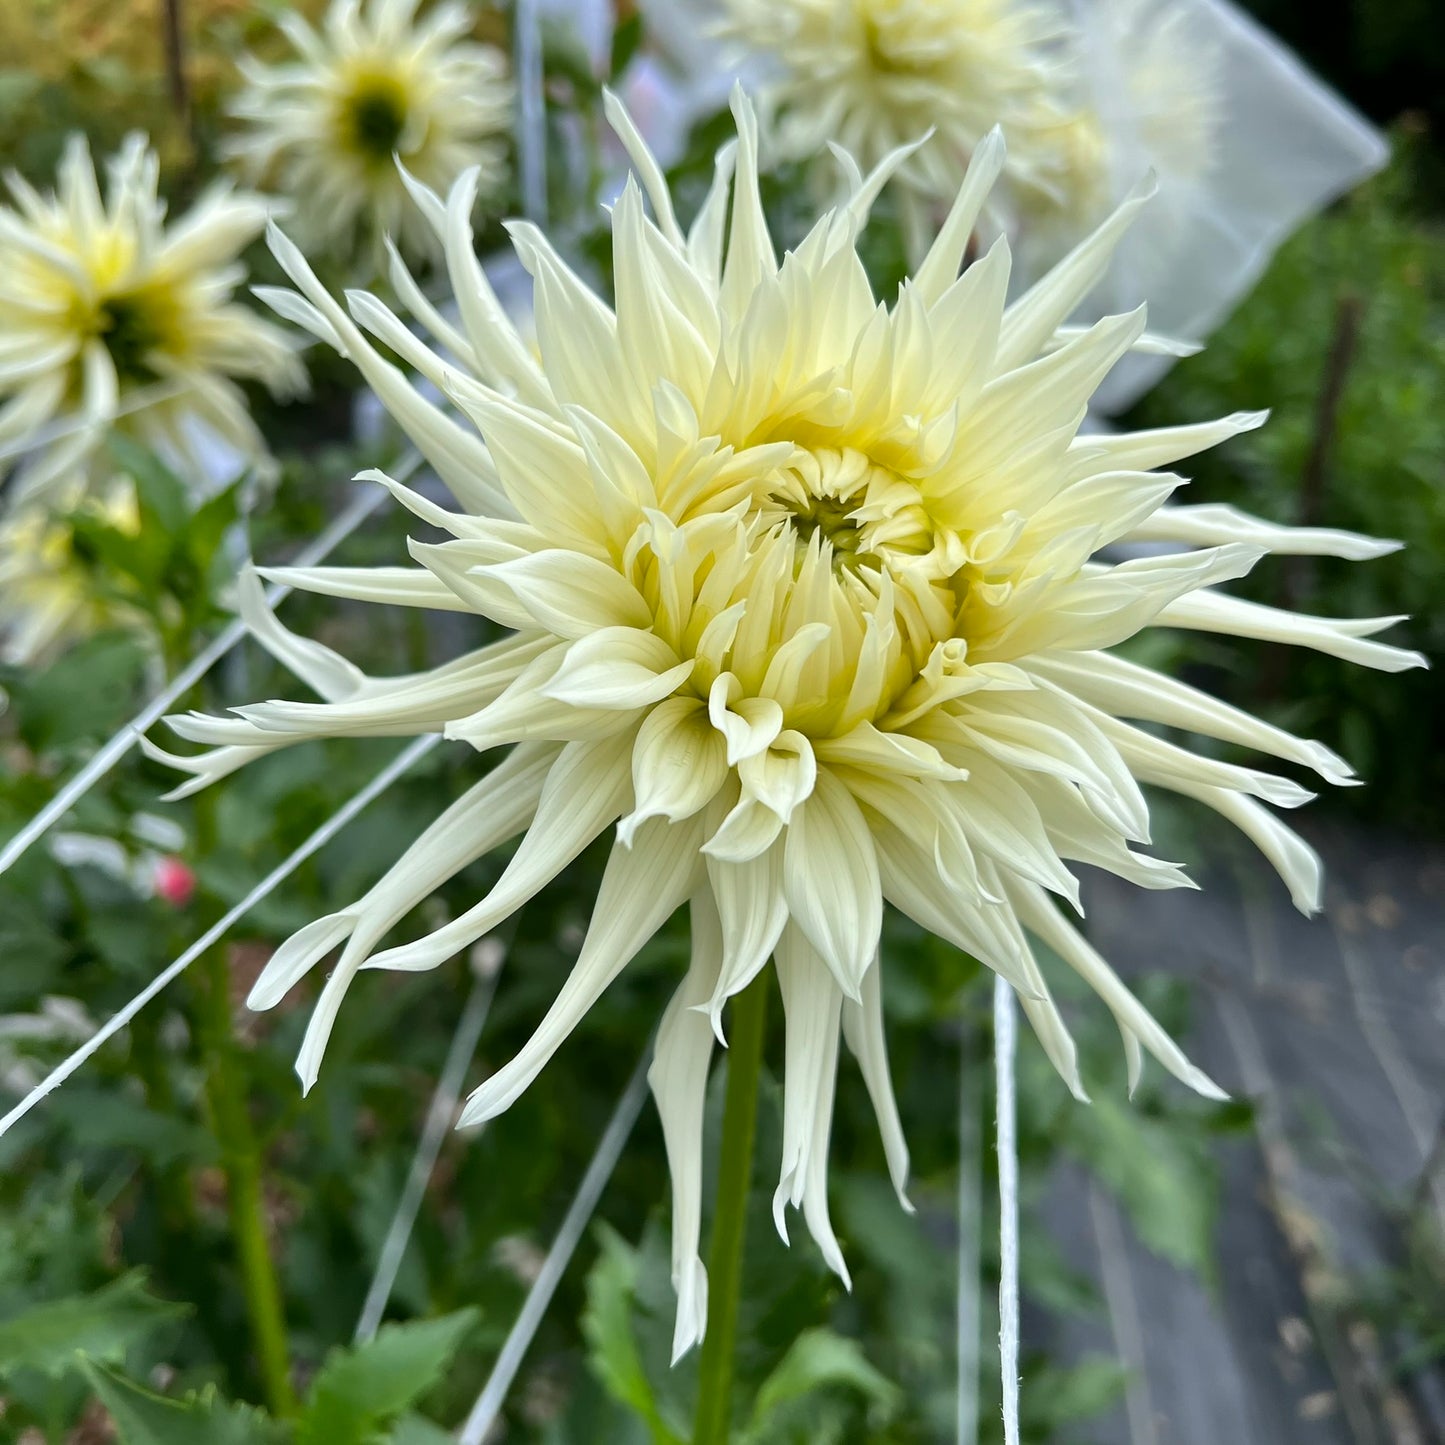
48	595
109	316
374	84
873	75
805	600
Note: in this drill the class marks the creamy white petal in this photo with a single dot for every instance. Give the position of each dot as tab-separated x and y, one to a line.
641	887
678	1077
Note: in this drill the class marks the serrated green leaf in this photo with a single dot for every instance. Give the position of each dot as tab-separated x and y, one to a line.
100	1326
363	1388
142	1417
817	1360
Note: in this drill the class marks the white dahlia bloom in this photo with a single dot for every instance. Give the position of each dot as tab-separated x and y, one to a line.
374	84
48	595
109	316
804	601
873	75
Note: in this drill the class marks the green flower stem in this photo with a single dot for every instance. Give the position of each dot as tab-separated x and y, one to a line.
241	1161
729	1225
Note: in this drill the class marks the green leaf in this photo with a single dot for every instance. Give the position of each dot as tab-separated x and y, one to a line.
418	1430
87	693
164	504
1163	1176
99	1326
612	1346
361	1389
818	1360
144	1418
103	1118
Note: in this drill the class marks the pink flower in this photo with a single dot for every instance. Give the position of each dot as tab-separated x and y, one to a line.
175	882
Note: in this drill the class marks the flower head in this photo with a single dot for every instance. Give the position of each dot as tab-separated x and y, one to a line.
374	85
806	601
48	594
1148	96
873	75
110	316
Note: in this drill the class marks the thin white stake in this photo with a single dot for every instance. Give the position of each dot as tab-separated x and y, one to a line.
1005	1042
970	1164
604	1161
366	502
531	112
489	956
278	875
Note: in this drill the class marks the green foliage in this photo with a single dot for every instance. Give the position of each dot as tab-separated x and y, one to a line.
361	1389
142	1417
818	1361
101	1326
611	1344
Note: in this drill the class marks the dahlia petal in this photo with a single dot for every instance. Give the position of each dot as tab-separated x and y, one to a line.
571	594
939	268
1292	858
812	1005
863	1033
1213	523
753	909
1142	451
749	724
678	1078
641	888
1136	1022
399	586
585	791
1339	637
679	763
645	164
617	667
1124	688
460	459
318	666
1038	313
830	878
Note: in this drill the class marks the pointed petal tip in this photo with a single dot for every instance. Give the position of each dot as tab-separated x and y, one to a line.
780	1204
713	1009
1204	1086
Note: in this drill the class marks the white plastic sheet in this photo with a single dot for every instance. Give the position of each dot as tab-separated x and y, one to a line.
1281	146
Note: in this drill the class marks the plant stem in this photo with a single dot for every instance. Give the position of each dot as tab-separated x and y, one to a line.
226	1094
241	1161
729	1225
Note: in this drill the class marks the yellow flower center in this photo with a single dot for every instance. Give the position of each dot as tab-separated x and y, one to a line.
374	116
867	515
132	326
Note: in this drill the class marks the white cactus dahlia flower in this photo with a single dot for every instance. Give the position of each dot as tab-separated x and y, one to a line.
806	602
374	85
873	75
106	311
